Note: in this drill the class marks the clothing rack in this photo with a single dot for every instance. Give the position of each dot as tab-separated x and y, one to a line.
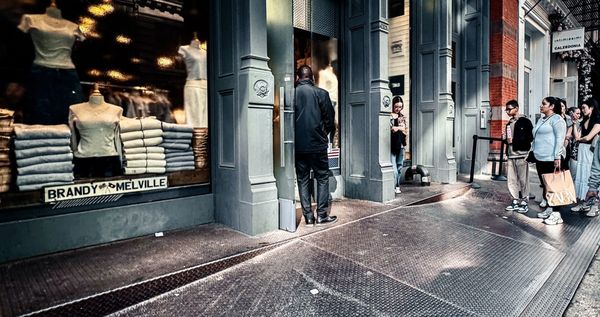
107	85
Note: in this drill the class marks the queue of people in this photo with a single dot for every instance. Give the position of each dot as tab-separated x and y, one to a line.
563	139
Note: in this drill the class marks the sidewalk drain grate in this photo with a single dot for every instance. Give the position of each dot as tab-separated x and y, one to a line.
443	196
112	301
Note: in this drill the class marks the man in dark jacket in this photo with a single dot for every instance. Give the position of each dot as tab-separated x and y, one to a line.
314	116
518	135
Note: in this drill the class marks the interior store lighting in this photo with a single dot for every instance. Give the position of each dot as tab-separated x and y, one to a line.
123	39
117	75
94	73
87	25
103	9
165	62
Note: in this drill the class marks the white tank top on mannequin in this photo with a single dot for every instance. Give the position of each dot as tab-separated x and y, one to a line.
195	61
53	39
95	129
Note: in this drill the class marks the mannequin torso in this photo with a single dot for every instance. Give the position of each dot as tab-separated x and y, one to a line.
53	38
94	128
195	60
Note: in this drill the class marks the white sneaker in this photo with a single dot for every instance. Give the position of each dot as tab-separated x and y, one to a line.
546	213
397	190
554	219
513	206
523	207
543	203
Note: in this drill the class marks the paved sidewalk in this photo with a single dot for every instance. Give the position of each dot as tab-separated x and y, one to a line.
38	283
465	256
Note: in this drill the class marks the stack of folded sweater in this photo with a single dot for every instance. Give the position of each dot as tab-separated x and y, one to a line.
141	140
177	139
200	147
6	129
43	155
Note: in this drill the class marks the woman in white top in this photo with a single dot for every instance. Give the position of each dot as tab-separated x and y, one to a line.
549	135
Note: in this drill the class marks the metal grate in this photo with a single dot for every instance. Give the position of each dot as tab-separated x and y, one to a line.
586	12
302	14
118	299
325	18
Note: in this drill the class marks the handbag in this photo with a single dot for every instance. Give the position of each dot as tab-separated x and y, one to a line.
560	190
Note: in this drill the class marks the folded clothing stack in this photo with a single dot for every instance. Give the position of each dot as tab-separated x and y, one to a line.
142	150
200	147
43	155
6	129
177	140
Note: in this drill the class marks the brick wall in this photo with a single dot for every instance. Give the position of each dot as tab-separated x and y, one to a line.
504	53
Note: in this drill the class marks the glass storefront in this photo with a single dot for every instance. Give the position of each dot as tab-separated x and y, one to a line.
96	94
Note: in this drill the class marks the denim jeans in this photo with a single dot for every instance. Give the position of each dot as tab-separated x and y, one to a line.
50	92
319	163
397	163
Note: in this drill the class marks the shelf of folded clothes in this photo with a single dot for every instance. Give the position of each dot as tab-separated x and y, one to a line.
142	150
6	130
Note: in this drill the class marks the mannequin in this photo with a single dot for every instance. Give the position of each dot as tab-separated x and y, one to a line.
53	82
95	137
328	80
195	98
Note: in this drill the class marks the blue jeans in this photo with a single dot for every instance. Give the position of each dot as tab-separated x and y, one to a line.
50	93
397	162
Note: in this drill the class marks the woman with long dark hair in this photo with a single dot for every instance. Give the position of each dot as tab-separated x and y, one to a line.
549	135
590	127
398	139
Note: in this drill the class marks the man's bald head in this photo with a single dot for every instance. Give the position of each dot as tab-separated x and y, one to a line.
304	72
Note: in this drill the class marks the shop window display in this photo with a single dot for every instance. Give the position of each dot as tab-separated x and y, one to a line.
97	90
320	53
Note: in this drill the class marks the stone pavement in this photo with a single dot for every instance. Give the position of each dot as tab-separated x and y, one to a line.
464	256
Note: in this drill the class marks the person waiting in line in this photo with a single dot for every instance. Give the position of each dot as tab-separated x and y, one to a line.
398	139
591	197
314	120
590	127
547	145
570	144
518	135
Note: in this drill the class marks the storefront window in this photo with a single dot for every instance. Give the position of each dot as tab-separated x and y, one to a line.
103	92
320	52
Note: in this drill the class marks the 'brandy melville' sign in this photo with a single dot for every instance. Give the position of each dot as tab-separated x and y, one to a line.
112	187
568	40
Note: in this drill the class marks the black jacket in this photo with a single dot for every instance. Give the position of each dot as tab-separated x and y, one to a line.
522	135
314	118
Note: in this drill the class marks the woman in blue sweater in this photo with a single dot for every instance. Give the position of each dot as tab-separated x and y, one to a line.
549	134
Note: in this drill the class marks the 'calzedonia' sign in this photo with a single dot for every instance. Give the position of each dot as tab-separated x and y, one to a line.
568	40
112	187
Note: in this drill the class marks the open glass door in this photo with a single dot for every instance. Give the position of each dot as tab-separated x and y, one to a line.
280	49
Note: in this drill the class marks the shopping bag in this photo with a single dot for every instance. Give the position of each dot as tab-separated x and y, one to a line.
560	190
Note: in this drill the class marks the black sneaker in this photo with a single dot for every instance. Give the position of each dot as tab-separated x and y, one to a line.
513	206
326	220
523	207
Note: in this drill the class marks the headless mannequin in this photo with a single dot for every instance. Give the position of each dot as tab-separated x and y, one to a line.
53	83
195	97
96	143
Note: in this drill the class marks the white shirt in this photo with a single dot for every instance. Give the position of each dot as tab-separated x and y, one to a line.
195	61
53	39
95	129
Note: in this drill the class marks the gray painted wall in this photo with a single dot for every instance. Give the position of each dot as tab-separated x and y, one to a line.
26	238
242	141
367	169
437	118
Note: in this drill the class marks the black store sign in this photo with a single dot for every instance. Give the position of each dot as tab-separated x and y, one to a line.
397	85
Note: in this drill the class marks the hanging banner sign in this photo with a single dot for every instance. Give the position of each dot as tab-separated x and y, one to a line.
102	188
568	40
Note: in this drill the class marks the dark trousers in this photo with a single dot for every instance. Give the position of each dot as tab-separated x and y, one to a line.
50	92
319	163
92	167
545	168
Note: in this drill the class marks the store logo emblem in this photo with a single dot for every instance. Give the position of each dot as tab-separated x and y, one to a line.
261	88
